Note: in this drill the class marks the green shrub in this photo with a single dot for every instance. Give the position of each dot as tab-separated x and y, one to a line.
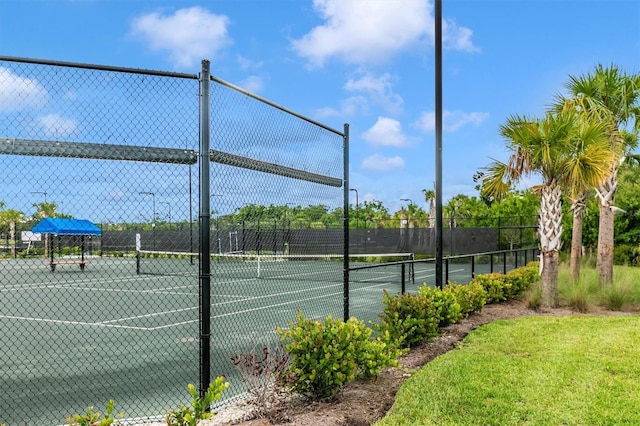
471	297
626	254
445	307
92	418
327	355
518	280
408	319
199	410
493	284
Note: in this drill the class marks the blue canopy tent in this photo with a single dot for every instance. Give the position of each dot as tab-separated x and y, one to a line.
62	226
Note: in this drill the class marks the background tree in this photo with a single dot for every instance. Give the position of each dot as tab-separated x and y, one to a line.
430	198
613	97
10	218
545	147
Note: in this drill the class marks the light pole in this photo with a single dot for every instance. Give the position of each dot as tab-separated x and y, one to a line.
357	206
409	200
41	193
169	207
153	197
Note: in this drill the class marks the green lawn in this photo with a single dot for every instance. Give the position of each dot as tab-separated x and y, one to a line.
575	370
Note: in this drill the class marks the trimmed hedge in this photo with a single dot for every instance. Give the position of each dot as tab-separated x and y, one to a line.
327	355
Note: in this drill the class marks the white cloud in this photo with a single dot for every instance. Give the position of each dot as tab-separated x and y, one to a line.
57	126
380	163
457	38
189	35
252	84
348	108
379	89
246	64
451	120
18	93
368	31
365	31
387	132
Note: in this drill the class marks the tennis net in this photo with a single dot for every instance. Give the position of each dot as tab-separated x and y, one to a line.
317	267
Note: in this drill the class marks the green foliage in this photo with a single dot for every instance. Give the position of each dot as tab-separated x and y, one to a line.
327	355
616	296
500	287
493	285
626	254
446	308
199	410
534	296
92	418
471	297
408	319
518	280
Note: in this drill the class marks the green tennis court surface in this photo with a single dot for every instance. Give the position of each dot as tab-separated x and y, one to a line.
83	337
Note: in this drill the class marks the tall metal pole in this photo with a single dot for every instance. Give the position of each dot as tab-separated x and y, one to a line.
438	91
345	267
205	247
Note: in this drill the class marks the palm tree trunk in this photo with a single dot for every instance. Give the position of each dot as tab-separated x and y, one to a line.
605	246
550	240
432	214
550	279
576	237
606	195
12	232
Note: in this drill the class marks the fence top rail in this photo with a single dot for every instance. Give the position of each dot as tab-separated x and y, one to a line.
98	67
274	105
164	74
462	256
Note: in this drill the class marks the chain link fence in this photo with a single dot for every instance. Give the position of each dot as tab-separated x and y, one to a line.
154	226
117	312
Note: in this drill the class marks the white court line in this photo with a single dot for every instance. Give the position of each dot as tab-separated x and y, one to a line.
72	285
111	323
155	314
274	305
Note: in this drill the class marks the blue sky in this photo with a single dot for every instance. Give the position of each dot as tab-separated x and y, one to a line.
369	63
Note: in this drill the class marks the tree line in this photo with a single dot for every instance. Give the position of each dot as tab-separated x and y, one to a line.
578	149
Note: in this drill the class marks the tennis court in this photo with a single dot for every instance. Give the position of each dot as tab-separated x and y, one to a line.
108	332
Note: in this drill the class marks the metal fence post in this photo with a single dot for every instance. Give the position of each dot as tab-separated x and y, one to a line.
345	268
205	249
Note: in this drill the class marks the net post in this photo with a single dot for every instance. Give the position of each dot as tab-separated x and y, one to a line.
402	280
259	275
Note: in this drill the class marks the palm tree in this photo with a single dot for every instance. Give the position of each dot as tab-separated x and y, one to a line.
613	97
12	217
430	197
567	153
